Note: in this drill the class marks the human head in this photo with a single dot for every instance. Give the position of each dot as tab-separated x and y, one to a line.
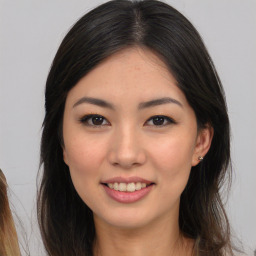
111	27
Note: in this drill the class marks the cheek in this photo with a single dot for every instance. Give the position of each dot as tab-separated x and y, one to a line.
84	161
172	159
172	153
84	154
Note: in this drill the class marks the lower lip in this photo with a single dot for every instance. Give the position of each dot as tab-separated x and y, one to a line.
127	197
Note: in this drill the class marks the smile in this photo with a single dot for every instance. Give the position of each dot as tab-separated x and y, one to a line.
127	190
127	187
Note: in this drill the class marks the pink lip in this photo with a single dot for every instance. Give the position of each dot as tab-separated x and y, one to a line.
127	180
127	197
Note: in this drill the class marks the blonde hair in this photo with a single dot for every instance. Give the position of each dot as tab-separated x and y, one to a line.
9	245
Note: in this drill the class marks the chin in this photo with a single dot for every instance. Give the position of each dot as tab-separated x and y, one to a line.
125	219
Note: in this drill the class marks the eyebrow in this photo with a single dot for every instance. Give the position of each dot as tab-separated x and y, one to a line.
142	105
94	101
157	102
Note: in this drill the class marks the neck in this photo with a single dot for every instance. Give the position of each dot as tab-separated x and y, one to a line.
158	238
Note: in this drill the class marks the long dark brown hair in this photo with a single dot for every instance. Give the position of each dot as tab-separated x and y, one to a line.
66	222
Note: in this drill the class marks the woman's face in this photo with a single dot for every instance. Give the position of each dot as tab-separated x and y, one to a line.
130	139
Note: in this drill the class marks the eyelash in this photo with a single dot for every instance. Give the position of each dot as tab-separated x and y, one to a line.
85	119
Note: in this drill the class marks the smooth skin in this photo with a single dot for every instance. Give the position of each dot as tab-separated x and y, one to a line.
133	135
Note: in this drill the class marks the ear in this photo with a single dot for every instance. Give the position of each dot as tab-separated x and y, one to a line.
203	143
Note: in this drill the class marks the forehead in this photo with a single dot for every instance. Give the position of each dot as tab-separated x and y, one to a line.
129	75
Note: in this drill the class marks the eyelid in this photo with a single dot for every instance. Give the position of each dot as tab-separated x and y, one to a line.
169	120
85	118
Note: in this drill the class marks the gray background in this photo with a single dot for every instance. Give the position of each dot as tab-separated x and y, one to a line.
30	33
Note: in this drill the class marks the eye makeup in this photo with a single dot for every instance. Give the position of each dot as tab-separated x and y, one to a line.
96	120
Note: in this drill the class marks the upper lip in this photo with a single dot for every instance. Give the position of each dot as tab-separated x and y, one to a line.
133	179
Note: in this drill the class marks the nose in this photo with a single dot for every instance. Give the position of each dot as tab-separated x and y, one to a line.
126	149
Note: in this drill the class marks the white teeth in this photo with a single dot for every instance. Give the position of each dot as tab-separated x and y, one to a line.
115	186
138	186
130	187
122	187
127	187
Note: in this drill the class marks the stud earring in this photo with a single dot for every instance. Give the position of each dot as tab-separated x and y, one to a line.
200	158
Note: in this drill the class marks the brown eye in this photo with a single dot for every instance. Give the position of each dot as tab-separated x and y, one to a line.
160	121
94	120
97	120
